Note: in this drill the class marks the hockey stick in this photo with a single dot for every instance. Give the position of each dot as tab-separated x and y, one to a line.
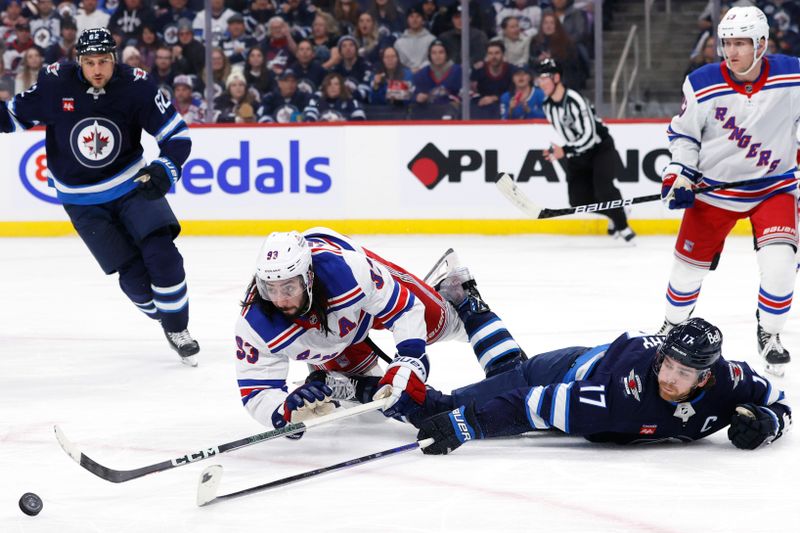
377	349
510	190
120	476
211	476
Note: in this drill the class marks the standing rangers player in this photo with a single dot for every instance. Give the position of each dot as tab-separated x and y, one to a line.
314	298
638	389
94	112
737	122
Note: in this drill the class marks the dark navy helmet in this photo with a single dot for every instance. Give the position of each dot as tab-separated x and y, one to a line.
95	41
549	66
694	343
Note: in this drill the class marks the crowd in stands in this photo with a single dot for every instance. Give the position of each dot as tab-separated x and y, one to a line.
316	60
784	22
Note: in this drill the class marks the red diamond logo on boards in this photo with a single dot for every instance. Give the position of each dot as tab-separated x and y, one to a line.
429	166
68	104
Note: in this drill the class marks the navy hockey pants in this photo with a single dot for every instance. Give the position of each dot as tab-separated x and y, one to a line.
134	236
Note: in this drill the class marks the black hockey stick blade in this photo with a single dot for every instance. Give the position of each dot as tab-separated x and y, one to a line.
510	190
377	349
121	476
211	476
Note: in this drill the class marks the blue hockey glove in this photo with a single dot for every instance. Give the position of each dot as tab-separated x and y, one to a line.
404	385
753	426
156	179
677	186
309	400
450	430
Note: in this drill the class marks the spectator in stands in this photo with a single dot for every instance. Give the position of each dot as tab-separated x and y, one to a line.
517	45
452	40
28	69
131	57
148	46
439	83
6	90
257	17
299	15
370	41
285	103
553	42
45	22
346	14
575	23
258	76
220	72
64	49
325	38
89	16
355	71
524	100
392	83
527	13
172	16
490	81
163	71
129	18
10	17
387	16
192	109
235	42
189	54
17	45
412	46
706	56
307	70
219	22
334	102
280	47
232	105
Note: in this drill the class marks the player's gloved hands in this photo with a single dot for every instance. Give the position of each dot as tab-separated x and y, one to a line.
450	430
677	186
157	178
404	385
752	426
309	400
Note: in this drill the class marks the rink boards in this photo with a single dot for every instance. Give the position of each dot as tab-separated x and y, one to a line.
400	177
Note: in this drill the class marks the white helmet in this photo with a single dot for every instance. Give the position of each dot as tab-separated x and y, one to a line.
284	255
744	23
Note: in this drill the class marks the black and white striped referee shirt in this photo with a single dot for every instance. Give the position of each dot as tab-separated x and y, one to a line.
574	118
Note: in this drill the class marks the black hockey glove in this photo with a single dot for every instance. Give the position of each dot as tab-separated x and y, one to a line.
450	430
752	426
157	178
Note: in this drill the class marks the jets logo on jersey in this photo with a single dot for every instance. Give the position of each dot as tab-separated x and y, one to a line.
633	385
95	142
331	115
736	373
53	69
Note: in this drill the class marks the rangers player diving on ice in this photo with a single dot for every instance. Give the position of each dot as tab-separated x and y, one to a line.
738	122
314	298
94	112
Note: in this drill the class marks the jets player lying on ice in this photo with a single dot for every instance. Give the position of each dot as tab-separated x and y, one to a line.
639	388
314	298
738	122
94	112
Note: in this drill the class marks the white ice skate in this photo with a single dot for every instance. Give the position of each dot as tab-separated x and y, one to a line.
775	355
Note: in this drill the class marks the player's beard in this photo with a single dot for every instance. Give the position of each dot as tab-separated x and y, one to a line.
295	311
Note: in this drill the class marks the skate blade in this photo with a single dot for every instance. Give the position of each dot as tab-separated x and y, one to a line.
777	370
189	360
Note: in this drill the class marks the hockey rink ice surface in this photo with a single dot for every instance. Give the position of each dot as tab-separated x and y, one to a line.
75	352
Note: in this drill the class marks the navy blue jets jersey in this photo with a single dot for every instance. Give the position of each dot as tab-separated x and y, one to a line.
93	138
611	395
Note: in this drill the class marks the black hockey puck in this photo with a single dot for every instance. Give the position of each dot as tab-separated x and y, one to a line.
30	504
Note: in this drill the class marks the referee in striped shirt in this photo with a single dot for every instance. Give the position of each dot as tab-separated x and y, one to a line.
591	159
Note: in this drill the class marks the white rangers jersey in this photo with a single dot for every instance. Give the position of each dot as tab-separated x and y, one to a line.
733	131
364	292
